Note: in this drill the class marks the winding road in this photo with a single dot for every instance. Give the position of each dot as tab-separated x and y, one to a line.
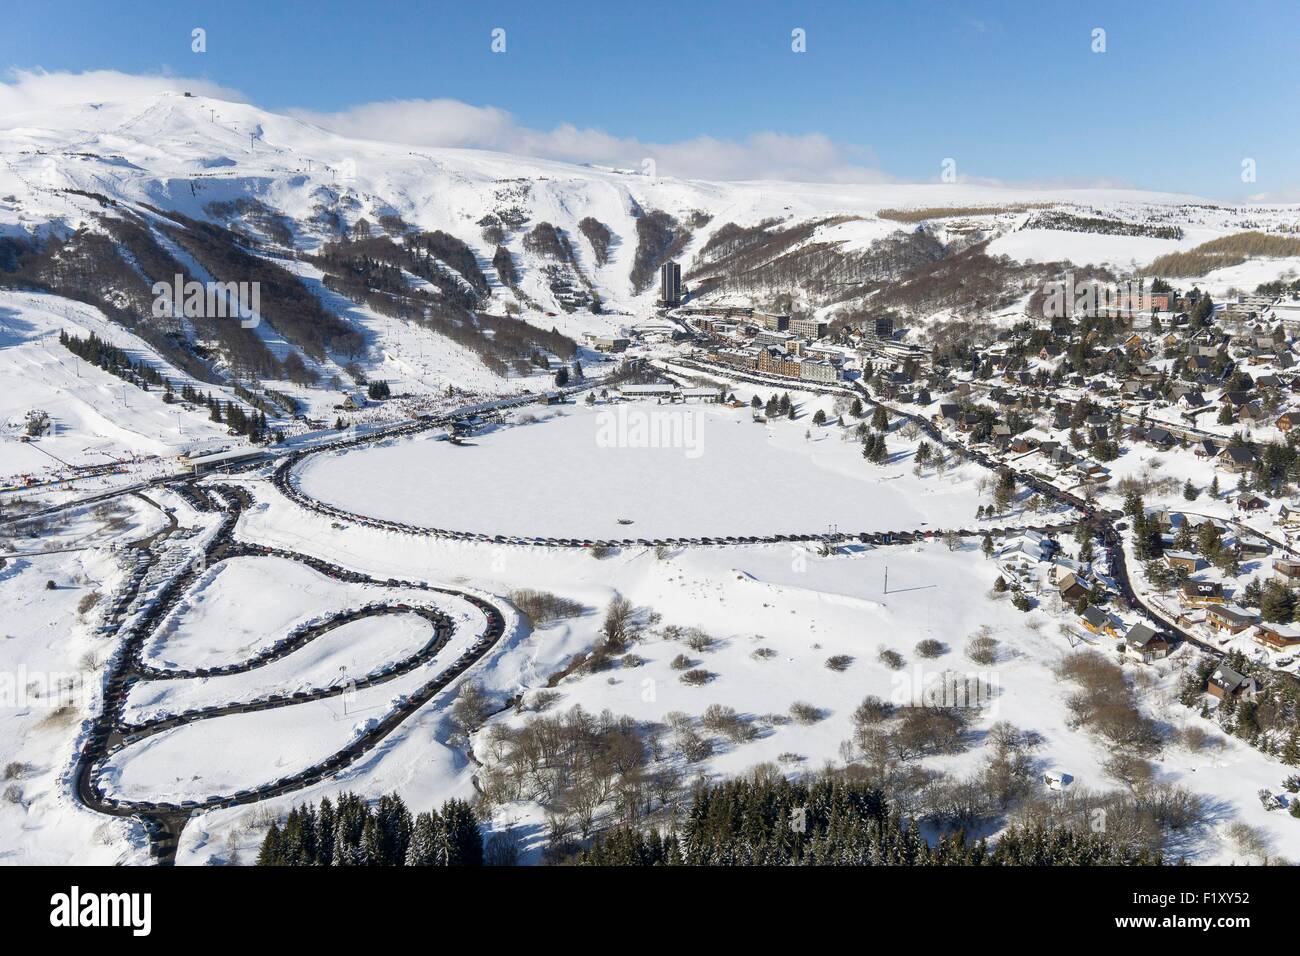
110	731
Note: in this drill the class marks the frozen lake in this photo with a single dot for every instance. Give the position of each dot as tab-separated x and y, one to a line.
575	474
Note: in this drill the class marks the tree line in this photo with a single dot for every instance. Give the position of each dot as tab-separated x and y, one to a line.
353	832
779	822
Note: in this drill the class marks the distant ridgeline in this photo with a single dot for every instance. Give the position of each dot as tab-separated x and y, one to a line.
837	823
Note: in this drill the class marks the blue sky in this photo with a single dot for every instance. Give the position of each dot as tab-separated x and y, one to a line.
1012	91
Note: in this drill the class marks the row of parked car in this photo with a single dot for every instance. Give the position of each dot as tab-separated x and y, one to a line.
220	547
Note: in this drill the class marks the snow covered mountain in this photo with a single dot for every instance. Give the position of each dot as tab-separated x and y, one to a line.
467	233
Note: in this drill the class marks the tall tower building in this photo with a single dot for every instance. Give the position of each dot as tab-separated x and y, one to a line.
670	284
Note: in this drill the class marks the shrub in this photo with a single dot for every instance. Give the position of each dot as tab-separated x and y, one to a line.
839	663
697	640
724	720
929	730
680	662
543	606
930	648
891	659
87	602
806	713
982	649
692	746
872	710
696	677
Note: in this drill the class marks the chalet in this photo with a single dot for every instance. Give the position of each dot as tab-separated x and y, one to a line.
1225	682
1205	449
1280	637
1229	617
1252	547
1073	587
552	398
1159	438
1143	643
1199	593
1098	621
1286	570
1182	560
1251	412
1031	544
947	413
1288	420
1288	517
1236	459
1249	501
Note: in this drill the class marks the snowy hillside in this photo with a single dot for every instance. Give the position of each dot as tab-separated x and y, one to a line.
186	153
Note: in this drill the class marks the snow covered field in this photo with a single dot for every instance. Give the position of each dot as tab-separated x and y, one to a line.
225	754
350	651
579	471
776	614
242	606
49	657
96	417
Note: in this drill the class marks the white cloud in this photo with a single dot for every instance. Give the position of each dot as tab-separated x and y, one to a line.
24	91
766	155
810	157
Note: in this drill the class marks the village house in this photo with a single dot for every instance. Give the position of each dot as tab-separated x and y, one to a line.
1249	501
1182	560
1200	593
1252	547
1280	637
1073	587
1286	570
1144	644
1229	617
1098	621
1225	683
1236	459
1205	448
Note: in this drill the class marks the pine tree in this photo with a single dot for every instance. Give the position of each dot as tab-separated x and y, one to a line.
461	842
426	834
1291	753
